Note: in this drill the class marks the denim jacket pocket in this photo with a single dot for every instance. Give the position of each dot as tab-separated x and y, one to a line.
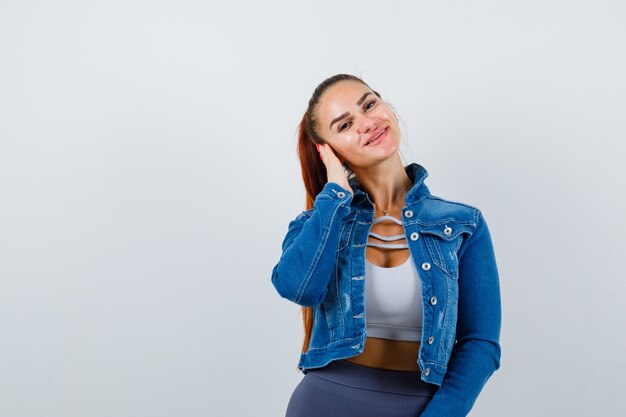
443	241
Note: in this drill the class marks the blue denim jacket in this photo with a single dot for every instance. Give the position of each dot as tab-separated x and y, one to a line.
323	266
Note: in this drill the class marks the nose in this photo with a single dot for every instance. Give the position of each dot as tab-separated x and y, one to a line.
366	124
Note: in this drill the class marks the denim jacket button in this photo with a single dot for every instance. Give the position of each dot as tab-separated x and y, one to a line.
447	230
408	214
341	194
433	300
431	339
414	236
425	266
426	371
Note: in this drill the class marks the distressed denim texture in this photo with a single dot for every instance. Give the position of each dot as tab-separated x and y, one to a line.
322	265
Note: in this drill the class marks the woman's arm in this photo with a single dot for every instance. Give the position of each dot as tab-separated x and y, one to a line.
309	249
476	354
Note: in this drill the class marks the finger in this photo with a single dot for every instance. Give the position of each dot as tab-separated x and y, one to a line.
325	148
319	151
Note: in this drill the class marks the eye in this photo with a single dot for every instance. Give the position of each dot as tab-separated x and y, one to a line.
342	126
367	106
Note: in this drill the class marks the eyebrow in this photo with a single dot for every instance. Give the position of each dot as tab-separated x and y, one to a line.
363	97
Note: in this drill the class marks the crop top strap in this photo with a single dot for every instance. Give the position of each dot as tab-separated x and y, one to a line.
388	217
388	238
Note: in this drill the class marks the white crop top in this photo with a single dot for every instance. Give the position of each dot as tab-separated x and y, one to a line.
393	296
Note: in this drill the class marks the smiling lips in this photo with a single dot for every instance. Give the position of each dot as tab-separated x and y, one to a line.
375	136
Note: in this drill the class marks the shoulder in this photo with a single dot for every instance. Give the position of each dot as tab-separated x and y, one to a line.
303	216
443	208
462	205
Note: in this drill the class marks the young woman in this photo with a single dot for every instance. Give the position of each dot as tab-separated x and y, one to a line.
399	288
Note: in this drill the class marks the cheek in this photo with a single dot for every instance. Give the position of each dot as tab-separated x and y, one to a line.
385	111
393	140
348	140
343	144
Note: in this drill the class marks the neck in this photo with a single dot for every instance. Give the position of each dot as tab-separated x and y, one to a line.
385	182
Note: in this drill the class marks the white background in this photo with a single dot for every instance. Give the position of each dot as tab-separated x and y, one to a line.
148	172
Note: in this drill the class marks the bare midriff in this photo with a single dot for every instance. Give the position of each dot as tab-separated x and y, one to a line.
399	355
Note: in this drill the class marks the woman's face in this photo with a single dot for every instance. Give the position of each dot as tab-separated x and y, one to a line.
349	116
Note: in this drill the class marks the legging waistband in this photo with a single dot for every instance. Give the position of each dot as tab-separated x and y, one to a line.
365	377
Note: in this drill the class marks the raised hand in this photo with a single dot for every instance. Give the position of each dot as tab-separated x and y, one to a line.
334	168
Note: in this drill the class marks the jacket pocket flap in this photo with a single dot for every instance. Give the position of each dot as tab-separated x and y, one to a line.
446	231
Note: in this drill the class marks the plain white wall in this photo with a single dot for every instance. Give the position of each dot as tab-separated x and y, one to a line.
148	172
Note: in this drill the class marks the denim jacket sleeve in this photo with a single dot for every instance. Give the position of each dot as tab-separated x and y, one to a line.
476	354
309	248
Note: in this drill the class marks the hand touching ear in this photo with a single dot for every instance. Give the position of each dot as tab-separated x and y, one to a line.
334	168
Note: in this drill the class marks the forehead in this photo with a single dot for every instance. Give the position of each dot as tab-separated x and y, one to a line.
340	98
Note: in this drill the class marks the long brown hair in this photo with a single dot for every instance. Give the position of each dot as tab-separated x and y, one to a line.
313	169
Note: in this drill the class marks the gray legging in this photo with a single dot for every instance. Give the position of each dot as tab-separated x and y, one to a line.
346	389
